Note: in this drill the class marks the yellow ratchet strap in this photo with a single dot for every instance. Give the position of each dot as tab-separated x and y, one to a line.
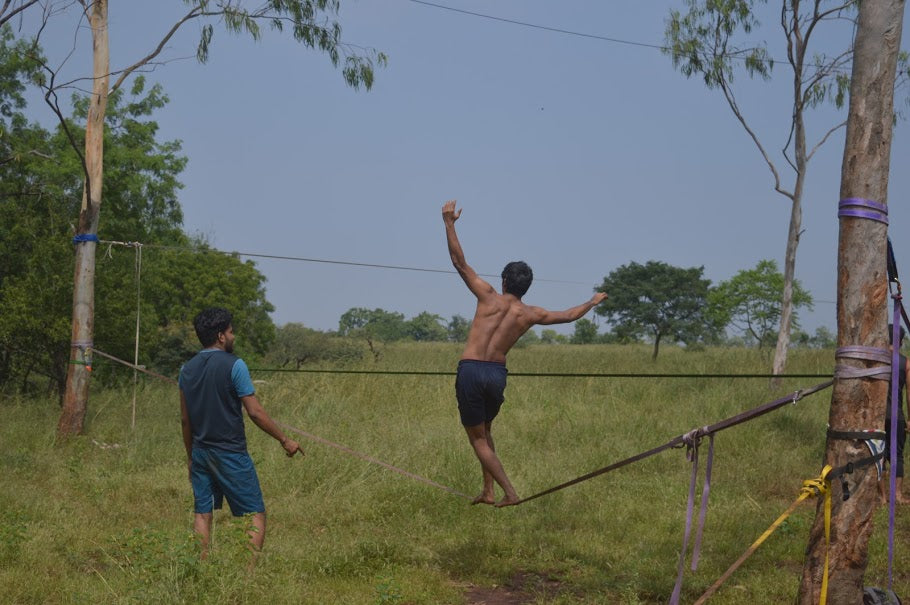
814	487
810	488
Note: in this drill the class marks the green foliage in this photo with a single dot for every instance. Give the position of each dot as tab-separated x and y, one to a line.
823	338
549	336
751	301
427	327
296	345
658	300
528	338
705	41
378	324
699	42
177	284
585	332
309	22
458	328
40	199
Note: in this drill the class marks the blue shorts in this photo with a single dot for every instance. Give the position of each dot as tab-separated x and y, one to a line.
218	474
479	388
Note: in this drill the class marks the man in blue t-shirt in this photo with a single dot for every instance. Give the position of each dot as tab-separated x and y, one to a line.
215	386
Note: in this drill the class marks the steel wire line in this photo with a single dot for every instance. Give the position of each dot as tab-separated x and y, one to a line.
660	47
334	262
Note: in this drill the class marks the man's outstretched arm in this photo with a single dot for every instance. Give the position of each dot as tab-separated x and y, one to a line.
547	317
475	284
261	419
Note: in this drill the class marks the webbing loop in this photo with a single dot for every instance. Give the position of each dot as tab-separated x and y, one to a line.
857	207
692	440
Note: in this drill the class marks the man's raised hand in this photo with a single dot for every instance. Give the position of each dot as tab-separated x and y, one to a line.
449	214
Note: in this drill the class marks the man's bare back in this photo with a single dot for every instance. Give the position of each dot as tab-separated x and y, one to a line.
499	321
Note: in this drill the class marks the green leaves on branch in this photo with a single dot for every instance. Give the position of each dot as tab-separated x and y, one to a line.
751	302
700	41
309	22
40	197
659	301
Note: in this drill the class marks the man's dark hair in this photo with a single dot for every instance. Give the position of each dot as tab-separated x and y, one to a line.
210	322
516	278
891	331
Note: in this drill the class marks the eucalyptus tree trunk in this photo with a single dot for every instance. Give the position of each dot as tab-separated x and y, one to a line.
77	378
793	232
862	316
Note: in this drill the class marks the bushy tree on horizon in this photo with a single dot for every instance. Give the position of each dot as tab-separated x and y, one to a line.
751	301
659	301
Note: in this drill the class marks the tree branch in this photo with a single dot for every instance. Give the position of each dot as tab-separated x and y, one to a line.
4	17
194	13
825	138
734	106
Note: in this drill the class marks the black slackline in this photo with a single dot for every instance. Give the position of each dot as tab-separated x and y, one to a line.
540	374
678	441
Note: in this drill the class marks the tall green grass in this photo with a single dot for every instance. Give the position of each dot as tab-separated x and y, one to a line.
106	517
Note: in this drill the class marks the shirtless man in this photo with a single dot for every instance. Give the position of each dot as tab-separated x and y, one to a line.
499	321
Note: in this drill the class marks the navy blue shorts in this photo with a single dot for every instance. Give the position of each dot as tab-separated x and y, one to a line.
479	388
218	474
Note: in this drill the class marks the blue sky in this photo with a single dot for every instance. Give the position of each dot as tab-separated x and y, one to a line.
577	155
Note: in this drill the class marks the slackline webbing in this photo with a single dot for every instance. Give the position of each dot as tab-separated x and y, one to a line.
680	440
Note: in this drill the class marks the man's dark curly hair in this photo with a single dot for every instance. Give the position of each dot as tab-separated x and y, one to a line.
517	277
210	322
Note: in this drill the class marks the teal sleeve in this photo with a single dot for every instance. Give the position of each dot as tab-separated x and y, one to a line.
240	378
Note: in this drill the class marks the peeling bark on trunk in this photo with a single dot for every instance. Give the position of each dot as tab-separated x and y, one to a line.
862	316
77	378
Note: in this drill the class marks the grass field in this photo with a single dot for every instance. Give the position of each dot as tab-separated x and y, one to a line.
106	517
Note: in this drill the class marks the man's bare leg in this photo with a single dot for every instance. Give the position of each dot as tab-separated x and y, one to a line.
202	525
257	536
481	441
488	495
899	491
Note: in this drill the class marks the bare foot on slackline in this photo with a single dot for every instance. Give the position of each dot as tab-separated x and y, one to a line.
508	502
483	499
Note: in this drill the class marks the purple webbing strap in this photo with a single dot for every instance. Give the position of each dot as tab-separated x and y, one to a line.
858	207
861	352
706	488
867	354
895	406
691	440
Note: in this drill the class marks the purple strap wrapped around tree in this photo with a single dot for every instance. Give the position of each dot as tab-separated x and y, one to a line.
857	207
